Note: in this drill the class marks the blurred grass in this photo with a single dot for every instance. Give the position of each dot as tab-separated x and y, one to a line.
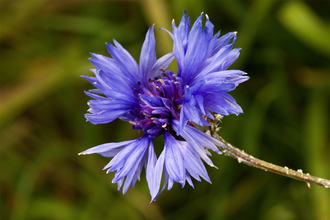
299	19
44	50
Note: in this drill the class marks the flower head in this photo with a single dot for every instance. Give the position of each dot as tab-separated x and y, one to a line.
160	102
203	59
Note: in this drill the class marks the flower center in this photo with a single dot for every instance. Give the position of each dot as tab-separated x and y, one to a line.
159	104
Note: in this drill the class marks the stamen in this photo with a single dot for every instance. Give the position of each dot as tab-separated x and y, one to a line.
147	115
161	81
159	89
132	123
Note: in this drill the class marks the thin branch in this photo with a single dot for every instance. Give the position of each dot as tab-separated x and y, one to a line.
245	158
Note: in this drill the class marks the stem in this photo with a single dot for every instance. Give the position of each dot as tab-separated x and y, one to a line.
245	158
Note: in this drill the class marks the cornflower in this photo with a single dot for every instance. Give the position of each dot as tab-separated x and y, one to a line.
160	102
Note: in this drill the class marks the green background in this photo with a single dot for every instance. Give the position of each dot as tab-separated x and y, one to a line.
45	48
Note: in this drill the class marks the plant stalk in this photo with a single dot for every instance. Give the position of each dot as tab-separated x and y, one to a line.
247	159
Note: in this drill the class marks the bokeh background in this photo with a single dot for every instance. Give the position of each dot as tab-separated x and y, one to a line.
45	47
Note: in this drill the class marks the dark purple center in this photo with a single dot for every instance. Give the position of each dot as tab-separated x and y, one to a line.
159	104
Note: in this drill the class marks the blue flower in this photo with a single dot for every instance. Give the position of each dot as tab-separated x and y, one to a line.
203	59
160	102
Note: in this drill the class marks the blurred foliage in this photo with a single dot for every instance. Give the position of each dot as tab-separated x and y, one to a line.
44	50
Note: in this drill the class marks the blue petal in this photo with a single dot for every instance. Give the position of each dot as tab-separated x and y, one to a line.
133	148
171	35
155	129
124	60
173	158
238	79
197	25
158	170
223	104
183	30
147	56
222	41
122	96
230	59
114	82
106	150
196	51
94	96
163	63
192	113
167	180
111	67
198	140
94	82
104	116
129	161
193	163
111	105
213	87
151	100
200	102
91	79
219	75
104	63
217	60
209	27
150	167
178	49
133	174
183	120
137	174
189	109
189	180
